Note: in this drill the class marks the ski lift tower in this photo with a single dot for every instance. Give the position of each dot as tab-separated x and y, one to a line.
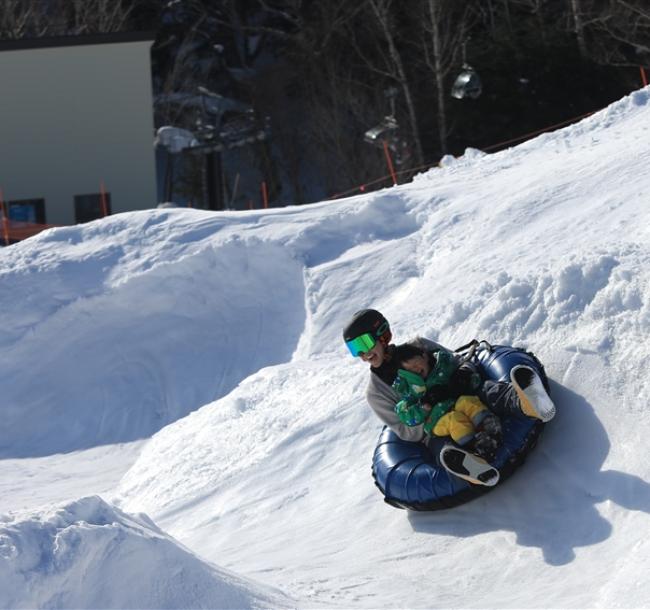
223	124
220	124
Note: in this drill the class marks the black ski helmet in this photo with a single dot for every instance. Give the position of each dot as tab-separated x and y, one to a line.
367	321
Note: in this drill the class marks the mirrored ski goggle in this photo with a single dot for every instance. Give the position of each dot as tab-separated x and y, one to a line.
364	343
361	344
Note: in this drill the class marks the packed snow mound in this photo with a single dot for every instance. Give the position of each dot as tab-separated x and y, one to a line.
120	369
542	246
89	554
564	291
266	416
221	333
124	311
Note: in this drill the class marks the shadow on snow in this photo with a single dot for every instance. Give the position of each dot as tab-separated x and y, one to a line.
551	502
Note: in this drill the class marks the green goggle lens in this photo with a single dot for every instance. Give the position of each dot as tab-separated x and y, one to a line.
361	344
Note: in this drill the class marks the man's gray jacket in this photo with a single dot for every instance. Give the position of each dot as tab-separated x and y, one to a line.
382	400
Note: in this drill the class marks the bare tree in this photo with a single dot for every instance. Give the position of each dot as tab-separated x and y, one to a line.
339	107
93	16
337	98
37	18
23	18
540	9
386	59
578	26
447	29
614	32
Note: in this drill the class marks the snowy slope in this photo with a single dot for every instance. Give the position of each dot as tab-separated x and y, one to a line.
140	367
219	334
88	554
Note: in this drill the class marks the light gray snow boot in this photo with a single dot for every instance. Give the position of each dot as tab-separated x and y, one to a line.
533	398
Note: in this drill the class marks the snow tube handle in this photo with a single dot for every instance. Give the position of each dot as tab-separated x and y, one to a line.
467	351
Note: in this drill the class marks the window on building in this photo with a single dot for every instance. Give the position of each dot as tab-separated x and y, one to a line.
92	206
27	210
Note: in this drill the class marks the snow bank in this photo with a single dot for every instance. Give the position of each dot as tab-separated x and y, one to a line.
542	246
124	311
89	554
271	412
220	333
121	324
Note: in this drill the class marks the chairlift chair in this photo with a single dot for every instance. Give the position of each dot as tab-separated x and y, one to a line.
382	132
467	84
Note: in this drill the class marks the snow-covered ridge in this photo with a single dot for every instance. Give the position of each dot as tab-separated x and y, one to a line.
509	248
88	554
217	336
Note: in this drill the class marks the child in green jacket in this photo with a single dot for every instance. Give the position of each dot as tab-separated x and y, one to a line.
435	389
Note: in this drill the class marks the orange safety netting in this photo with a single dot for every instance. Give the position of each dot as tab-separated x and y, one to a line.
14	230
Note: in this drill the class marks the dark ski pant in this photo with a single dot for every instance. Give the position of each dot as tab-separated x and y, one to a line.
501	398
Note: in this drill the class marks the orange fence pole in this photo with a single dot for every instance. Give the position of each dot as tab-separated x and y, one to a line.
5	221
389	162
644	78
102	191
265	194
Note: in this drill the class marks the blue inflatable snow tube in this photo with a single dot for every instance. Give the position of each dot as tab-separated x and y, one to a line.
410	475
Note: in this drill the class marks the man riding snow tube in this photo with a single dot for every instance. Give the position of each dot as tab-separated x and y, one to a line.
410	475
